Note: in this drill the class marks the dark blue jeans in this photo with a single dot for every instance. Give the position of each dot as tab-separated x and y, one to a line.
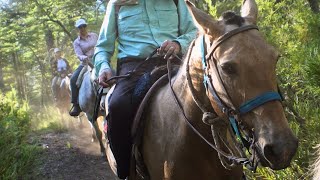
73	81
122	108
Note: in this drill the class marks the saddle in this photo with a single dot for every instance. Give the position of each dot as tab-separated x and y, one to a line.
81	75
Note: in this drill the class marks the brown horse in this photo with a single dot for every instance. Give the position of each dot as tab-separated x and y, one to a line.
63	94
239	68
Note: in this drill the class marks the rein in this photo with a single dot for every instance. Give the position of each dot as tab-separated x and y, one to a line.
233	159
231	112
100	92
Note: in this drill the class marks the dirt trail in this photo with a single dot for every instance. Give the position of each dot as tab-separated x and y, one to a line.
71	155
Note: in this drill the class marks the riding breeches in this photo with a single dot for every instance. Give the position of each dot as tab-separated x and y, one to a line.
122	108
73	85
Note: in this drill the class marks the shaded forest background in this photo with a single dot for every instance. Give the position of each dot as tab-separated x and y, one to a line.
30	29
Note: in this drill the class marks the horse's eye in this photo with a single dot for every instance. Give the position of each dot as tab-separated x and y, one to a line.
228	68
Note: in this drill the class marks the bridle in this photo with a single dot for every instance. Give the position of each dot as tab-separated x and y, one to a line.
231	112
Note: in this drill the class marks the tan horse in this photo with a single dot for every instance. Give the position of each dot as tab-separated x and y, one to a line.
241	67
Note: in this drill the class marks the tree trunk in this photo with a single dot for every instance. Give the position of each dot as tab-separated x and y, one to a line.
17	73
1	76
1	79
314	5
49	39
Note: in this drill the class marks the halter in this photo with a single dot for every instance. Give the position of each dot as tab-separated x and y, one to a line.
247	106
230	112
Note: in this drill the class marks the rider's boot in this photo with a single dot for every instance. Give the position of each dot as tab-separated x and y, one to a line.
75	111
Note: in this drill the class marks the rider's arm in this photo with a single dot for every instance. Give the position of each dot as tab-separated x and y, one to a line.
106	41
68	66
187	29
77	49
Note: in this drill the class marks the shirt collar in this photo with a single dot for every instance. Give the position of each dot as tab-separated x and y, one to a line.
79	37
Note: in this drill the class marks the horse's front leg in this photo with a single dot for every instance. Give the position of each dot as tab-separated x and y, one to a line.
99	133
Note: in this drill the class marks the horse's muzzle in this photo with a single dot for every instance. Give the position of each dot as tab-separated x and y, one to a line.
278	155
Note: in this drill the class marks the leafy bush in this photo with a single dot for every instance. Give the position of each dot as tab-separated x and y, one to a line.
16	154
294	30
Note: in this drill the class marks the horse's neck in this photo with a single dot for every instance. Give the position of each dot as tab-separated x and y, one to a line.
182	86
90	84
193	112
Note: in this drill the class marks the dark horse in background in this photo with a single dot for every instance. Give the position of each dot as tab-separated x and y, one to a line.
194	130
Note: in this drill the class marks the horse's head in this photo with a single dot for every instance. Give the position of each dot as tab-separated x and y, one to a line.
241	67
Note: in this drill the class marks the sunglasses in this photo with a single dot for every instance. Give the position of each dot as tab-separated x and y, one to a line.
82	26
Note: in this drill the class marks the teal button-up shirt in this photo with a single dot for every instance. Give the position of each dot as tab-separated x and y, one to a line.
142	28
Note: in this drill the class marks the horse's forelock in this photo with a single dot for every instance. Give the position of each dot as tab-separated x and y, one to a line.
230	18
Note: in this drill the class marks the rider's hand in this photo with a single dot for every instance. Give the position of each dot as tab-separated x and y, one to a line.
85	60
104	76
169	49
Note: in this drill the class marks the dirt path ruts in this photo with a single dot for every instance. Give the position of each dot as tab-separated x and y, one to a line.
71	155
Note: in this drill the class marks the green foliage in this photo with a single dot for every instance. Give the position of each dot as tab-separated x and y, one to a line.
294	30
16	154
50	119
291	28
24	58
312	68
293	172
25	44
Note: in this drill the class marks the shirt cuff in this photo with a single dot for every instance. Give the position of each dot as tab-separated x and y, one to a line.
104	67
82	57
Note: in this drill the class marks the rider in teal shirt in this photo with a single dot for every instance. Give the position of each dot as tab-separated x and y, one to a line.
140	27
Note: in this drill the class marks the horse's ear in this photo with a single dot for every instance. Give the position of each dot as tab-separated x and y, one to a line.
249	11
205	23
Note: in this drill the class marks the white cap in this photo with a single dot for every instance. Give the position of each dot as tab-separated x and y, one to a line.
56	50
80	22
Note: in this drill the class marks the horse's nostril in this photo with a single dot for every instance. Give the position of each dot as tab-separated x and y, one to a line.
269	152
279	156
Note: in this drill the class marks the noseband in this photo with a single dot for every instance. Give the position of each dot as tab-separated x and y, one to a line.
230	111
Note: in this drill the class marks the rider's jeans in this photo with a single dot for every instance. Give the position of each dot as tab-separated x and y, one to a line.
122	109
73	81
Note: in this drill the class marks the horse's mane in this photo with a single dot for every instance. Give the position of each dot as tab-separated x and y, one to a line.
230	18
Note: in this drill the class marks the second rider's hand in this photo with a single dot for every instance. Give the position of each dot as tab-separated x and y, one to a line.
169	49
104	76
